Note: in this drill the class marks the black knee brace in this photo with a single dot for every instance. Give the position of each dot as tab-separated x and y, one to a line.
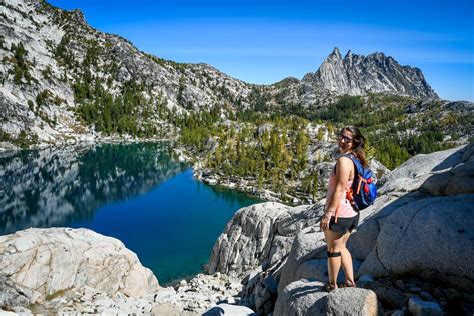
333	254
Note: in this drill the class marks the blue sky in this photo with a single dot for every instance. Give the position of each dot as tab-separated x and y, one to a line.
265	41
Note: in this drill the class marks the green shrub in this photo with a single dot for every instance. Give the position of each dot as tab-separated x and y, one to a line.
20	64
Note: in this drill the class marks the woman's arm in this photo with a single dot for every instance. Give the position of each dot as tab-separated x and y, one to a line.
343	172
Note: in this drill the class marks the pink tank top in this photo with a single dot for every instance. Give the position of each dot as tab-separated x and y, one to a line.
344	209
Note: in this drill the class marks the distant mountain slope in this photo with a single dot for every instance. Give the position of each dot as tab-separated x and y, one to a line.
62	79
55	66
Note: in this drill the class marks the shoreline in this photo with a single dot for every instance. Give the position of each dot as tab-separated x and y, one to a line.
195	164
7	148
247	186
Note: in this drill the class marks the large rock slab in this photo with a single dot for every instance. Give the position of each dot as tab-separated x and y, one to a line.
426	164
308	244
259	235
458	180
372	220
57	259
431	238
449	172
414	172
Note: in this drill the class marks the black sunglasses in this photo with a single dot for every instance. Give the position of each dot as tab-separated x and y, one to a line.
345	139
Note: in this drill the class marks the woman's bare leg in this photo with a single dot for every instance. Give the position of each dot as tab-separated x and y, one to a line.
346	261
334	244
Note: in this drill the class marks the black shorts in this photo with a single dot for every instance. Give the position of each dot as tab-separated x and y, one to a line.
343	225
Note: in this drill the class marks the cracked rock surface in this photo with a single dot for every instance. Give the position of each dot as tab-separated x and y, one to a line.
57	259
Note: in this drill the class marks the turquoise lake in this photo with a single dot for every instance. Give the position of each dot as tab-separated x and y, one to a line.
138	193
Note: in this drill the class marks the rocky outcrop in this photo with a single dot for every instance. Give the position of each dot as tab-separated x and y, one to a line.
255	245
431	238
57	259
409	189
358	75
408	231
258	236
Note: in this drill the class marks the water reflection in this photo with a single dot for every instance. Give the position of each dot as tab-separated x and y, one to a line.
233	200
54	186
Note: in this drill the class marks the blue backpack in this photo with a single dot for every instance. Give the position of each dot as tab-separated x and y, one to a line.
363	191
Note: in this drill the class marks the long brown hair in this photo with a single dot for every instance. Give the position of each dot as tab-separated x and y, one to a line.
358	143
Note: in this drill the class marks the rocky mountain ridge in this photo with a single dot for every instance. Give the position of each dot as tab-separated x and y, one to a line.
358	75
61	52
57	70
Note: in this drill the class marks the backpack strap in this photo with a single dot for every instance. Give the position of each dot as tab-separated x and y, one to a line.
356	161
358	170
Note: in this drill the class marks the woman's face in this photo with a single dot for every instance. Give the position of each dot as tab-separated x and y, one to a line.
344	141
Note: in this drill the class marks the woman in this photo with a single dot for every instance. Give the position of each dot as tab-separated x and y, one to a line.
340	218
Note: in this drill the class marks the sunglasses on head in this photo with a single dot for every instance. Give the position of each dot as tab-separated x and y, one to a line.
345	139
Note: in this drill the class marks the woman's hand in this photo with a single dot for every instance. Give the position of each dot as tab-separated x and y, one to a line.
325	219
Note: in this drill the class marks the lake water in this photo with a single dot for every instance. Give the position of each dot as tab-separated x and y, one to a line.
138	193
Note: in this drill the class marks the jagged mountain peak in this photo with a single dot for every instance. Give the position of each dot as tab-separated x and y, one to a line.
78	15
335	53
349	54
359	75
